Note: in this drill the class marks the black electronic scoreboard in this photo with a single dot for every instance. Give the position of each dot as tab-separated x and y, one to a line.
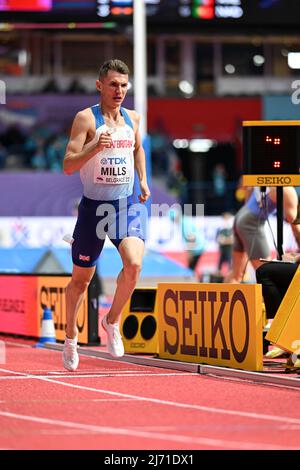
271	151
190	14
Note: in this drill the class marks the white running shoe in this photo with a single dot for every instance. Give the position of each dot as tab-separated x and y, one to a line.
70	355
114	339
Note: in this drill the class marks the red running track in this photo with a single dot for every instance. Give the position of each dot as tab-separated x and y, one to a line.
108	404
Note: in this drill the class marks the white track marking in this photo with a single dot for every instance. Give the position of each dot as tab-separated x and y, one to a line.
190	440
20	345
112	399
80	400
86	376
207	409
88	372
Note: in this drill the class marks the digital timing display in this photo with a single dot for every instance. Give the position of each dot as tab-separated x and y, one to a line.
271	149
48	10
202	9
25	5
208	11
172	13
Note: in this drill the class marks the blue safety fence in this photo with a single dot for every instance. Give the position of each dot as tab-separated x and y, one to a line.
59	260
21	260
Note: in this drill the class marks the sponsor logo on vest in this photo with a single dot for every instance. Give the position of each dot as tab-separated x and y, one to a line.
113	161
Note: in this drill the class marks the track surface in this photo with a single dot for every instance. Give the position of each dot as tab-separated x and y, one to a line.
107	404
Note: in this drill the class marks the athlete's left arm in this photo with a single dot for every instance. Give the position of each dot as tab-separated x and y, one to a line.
140	161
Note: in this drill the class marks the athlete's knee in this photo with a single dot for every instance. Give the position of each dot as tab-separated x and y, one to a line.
78	285
132	271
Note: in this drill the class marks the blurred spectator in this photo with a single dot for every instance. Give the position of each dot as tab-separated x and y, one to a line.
55	151
38	161
219	180
158	150
3	155
13	140
163	154
30	148
195	241
40	149
221	196
51	86
225	241
192	233
76	87
250	241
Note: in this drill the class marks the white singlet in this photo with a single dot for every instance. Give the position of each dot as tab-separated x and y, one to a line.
109	175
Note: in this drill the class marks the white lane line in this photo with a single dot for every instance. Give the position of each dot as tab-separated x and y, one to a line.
86	376
20	345
190	440
207	409
31	346
112	399
83	400
96	370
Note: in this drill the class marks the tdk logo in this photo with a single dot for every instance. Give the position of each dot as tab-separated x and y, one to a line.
116	160
103	161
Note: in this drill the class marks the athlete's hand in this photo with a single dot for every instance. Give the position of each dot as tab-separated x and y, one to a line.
104	141
145	192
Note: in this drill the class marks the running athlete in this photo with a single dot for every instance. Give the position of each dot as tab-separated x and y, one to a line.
105	146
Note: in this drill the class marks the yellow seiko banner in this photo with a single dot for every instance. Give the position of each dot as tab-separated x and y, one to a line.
217	324
51	293
271	180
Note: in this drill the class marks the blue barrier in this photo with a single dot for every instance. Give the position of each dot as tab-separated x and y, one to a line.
154	264
23	260
26	260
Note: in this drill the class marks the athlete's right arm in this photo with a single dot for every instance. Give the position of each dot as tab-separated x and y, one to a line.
76	156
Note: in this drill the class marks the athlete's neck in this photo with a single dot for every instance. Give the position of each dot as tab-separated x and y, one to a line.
113	114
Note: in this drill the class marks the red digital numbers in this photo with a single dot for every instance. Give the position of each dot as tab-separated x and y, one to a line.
273	140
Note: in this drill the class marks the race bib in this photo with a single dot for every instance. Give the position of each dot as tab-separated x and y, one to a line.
113	170
114	165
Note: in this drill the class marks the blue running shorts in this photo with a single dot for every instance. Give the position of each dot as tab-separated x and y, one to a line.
117	219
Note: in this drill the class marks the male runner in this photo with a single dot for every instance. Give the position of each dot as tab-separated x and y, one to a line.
105	146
